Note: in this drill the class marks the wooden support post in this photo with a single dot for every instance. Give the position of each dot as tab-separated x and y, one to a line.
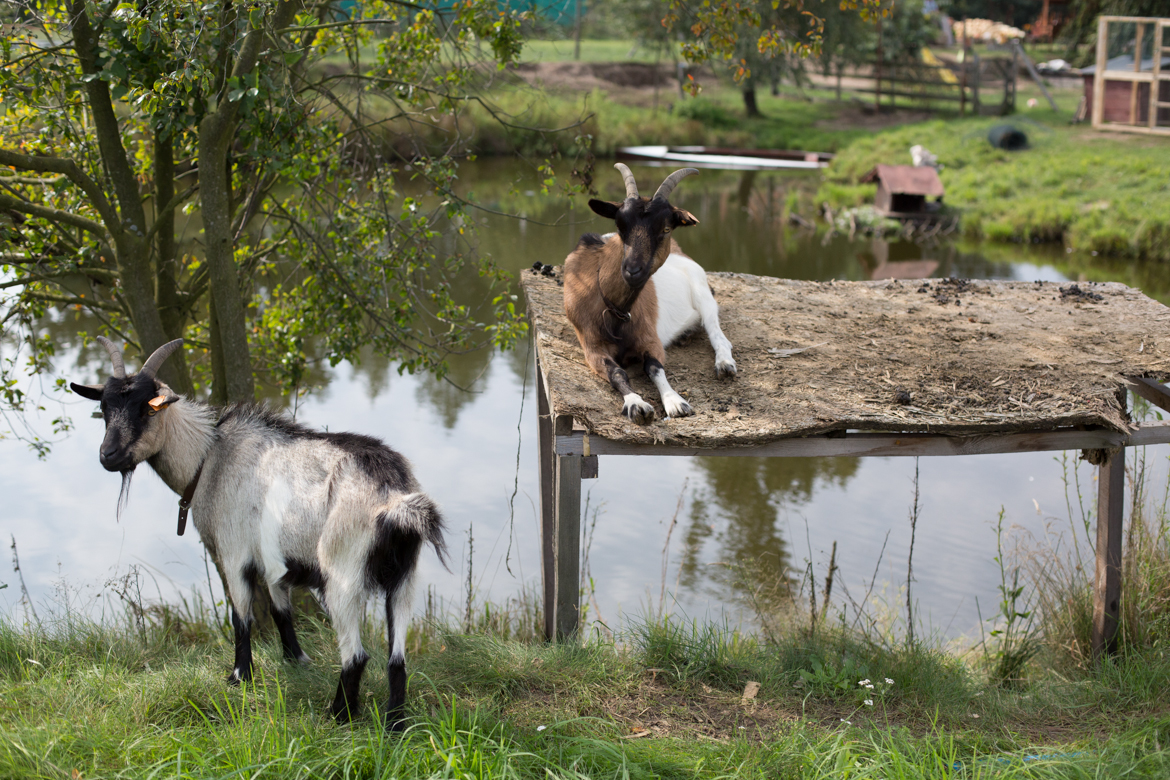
1137	67
1107	582
1098	115
568	562
546	455
975	85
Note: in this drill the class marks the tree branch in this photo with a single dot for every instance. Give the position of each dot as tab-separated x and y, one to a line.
55	215
74	300
68	168
171	205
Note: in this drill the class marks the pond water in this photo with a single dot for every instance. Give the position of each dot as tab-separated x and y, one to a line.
706	532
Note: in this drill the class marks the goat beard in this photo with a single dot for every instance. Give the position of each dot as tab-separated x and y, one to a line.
124	493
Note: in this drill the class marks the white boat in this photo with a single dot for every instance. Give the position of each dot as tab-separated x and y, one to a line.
726	159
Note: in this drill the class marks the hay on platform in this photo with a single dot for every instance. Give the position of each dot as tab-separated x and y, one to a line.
941	355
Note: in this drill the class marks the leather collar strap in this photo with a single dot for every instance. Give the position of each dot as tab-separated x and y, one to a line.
185	500
610	306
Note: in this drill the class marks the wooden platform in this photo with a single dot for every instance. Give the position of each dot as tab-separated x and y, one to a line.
939	367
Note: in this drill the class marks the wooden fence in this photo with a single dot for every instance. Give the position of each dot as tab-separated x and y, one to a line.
979	85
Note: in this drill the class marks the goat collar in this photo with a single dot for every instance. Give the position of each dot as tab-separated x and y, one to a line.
185	500
610	306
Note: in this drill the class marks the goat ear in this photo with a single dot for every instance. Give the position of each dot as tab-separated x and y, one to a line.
604	208
684	218
91	392
164	398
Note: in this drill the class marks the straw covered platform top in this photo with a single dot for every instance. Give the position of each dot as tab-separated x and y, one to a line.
951	356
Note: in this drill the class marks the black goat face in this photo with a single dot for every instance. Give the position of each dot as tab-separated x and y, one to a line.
644	226
129	405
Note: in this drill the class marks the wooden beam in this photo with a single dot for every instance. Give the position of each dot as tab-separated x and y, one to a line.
1128	75
1154	392
1107	580
568	558
547	460
1036	76
856	444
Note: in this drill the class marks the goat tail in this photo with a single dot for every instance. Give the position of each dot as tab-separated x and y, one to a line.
417	514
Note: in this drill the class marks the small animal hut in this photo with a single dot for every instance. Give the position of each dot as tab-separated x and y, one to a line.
902	190
1128	88
933	367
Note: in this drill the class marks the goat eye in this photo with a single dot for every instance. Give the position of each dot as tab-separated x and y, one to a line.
665	230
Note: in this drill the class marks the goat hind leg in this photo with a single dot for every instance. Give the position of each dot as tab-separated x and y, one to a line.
709	313
397	604
345	609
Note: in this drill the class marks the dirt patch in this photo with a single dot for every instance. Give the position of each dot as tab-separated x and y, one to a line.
945	356
657	710
627	82
858	115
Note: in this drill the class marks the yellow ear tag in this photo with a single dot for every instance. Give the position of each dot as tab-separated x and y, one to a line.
158	403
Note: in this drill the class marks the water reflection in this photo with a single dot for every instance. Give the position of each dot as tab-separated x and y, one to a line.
460	433
737	510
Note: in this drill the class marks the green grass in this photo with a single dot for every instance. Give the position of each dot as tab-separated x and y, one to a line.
84	700
1094	192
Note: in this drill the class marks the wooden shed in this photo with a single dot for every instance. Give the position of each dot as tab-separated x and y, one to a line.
903	189
1127	92
1127	102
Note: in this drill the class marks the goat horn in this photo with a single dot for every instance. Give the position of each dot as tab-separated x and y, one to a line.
151	366
672	181
115	356
631	185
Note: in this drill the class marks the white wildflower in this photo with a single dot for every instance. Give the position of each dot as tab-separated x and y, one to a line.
889	681
869	703
863	682
870	686
541	728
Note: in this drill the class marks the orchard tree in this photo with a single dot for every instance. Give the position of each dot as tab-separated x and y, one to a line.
746	34
270	128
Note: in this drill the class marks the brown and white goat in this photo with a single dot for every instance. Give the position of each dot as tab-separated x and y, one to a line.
632	293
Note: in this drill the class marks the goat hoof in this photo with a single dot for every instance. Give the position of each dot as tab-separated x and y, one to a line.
235	678
678	408
725	369
640	412
341	712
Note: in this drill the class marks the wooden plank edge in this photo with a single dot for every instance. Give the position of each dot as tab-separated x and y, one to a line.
888	444
1154	392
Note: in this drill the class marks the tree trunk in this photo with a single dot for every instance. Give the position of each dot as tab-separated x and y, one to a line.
749	99
166	286
129	232
215	136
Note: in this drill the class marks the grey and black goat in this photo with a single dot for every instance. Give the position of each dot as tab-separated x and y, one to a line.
283	505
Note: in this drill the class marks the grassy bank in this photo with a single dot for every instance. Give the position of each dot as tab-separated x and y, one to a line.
1096	192
84	701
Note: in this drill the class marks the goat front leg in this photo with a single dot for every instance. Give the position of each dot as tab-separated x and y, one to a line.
282	616
632	404
671	401
241	581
